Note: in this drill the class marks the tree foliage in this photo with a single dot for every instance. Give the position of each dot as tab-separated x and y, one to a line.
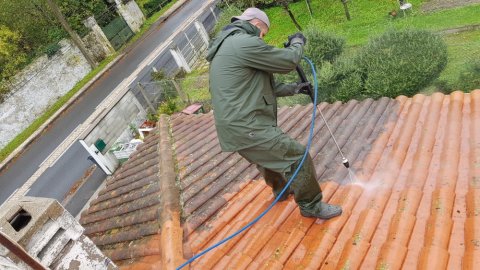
77	11
227	13
37	26
401	62
28	28
32	19
242	4
469	78
11	56
396	63
322	46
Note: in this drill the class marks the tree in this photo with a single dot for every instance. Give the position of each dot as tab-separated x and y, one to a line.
269	3
345	7
11	57
309	6
32	19
77	11
286	7
75	38
11	54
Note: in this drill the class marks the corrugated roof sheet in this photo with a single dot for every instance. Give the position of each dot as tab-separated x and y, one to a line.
414	202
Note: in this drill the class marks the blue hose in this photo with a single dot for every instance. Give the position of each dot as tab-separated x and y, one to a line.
312	125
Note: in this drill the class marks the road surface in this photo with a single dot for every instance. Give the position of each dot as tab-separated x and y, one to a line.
56	181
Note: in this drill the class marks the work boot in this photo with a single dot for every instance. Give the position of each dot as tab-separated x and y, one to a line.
322	210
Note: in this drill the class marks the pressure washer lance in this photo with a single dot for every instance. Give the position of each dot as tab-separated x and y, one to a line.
310	93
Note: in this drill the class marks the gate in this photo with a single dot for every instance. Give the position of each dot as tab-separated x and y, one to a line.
118	32
114	27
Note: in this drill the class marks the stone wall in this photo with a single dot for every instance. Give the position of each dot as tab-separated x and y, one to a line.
38	86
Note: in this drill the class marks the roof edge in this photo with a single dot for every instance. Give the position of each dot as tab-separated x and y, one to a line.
170	229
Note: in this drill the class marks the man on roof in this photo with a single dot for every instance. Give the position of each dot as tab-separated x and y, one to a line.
245	108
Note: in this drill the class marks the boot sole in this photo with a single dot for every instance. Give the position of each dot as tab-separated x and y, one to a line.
322	217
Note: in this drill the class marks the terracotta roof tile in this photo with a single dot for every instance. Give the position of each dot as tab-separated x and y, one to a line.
414	198
135	214
413	203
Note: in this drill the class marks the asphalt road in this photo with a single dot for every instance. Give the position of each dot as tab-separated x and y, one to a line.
73	163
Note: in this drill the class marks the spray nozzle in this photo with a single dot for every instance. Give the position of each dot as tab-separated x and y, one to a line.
345	163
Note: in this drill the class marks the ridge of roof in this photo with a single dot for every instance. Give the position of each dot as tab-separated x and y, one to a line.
171	232
138	212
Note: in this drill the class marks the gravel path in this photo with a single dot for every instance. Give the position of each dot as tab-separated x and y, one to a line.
433	5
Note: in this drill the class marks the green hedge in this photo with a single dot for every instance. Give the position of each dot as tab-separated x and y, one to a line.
322	46
469	78
401	62
153	6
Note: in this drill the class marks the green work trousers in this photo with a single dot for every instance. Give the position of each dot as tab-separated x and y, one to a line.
277	161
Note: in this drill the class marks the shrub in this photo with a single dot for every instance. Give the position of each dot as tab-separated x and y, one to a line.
12	56
469	78
169	106
154	6
400	62
158	75
322	46
339	81
323	49
4	90
152	115
52	49
180	74
227	13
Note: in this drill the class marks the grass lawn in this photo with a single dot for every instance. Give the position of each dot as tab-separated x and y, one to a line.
198	82
463	47
370	18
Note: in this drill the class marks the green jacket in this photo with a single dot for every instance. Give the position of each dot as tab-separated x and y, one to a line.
242	86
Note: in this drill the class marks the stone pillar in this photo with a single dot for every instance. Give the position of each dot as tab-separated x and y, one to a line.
213	13
180	59
96	41
131	13
48	233
202	31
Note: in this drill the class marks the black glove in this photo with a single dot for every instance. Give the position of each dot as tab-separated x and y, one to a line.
296	38
303	88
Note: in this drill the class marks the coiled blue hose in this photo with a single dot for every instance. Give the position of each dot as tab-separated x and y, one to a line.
312	125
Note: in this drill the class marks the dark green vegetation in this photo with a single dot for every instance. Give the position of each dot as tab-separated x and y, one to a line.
28	28
406	62
7	38
400	62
